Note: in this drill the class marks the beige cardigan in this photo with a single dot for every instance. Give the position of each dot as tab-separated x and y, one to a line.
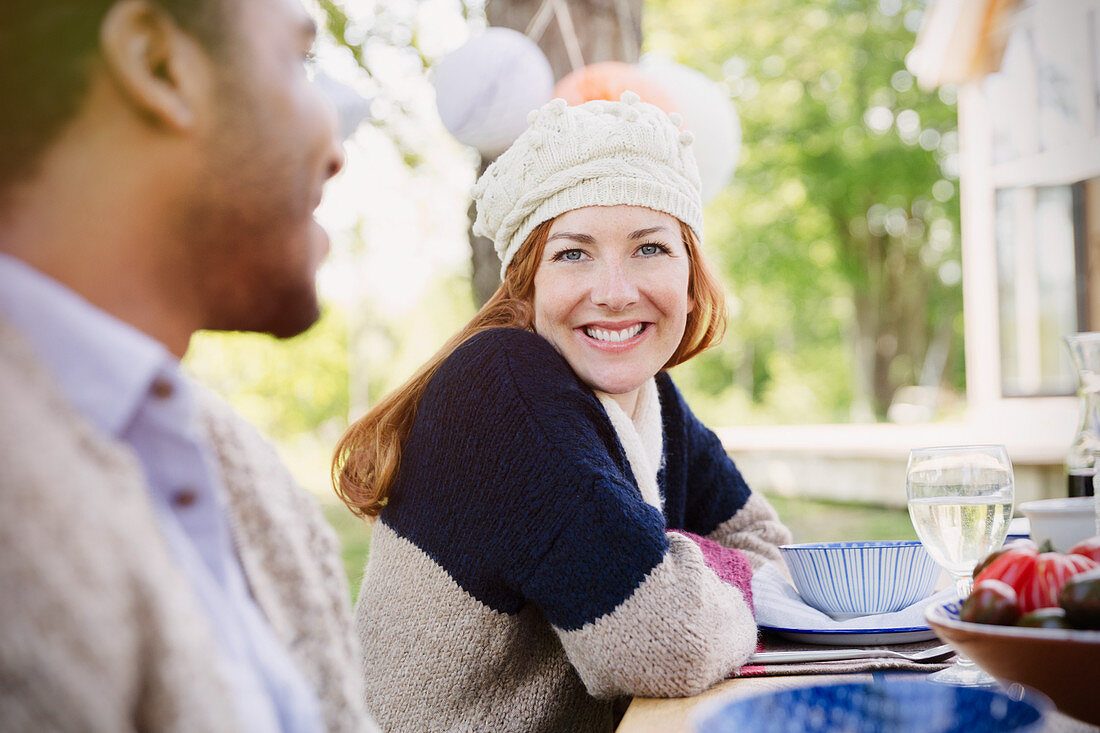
99	630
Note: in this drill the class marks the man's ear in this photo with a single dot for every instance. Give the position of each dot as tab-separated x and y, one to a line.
157	67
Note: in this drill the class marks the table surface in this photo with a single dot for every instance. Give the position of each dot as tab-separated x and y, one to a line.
673	715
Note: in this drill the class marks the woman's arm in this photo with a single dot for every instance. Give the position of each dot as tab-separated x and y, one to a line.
755	530
638	611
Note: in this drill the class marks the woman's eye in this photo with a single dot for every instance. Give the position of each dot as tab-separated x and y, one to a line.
651	249
571	255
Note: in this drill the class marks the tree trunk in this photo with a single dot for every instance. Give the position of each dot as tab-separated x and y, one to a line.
484	264
602	34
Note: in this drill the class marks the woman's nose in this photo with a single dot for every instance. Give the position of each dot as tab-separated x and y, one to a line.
614	288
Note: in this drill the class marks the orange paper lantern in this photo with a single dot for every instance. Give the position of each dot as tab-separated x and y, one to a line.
608	80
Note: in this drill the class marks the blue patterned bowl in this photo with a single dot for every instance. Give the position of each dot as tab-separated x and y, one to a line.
847	579
901	704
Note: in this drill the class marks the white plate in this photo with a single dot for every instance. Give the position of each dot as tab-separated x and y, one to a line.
846	637
1018	528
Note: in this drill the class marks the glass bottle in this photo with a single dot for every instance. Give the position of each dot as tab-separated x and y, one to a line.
1084	455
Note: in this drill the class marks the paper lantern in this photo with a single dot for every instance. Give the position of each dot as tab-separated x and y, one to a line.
351	106
485	89
608	80
708	113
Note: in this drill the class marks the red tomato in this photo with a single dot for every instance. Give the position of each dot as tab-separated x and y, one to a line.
1007	547
1052	570
1013	566
1090	548
1036	578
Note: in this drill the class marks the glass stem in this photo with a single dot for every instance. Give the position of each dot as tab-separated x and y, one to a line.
963	585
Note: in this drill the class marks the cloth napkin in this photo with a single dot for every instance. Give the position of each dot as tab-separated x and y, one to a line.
771	643
778	604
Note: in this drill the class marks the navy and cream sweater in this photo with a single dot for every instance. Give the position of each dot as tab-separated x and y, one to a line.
518	581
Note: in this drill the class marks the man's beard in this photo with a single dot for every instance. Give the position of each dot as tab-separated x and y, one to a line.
241	227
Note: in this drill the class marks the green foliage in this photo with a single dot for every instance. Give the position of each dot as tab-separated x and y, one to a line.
354	535
823	521
393	348
285	388
835	234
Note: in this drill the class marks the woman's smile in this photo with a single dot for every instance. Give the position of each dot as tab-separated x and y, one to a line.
614	337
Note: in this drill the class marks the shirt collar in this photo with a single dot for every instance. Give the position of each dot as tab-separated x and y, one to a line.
103	365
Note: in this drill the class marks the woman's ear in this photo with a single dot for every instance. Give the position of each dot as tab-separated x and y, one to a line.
159	68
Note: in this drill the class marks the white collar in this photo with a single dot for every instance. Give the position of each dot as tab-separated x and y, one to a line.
103	365
641	437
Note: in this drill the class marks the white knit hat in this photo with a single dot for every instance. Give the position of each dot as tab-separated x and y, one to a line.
599	153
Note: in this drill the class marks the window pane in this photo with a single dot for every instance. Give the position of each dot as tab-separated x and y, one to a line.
1036	288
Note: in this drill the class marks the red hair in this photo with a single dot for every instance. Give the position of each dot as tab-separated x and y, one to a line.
368	455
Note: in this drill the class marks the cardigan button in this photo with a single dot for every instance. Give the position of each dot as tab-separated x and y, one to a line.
184	498
162	388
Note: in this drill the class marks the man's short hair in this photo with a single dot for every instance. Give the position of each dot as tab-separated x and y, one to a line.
47	50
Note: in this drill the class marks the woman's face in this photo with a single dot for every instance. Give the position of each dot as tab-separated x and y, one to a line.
611	295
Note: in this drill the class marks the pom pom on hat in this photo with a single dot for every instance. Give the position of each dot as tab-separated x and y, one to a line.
599	153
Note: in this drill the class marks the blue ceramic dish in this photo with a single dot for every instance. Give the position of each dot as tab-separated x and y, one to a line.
897	705
846	579
1019	528
1063	664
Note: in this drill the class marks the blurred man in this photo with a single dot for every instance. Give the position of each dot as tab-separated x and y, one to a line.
160	161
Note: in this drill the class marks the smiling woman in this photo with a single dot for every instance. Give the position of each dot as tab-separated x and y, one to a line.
556	528
611	295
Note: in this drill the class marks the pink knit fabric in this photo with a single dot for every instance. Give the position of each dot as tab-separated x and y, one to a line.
730	565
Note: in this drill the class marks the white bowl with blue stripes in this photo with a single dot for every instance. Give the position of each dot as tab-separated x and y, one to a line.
849	579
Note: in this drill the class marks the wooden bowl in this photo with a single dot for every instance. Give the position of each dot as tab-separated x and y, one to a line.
1064	664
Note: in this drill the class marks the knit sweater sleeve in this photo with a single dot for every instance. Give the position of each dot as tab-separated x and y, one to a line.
512	482
717	503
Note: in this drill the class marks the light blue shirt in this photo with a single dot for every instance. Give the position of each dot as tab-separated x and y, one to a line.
131	388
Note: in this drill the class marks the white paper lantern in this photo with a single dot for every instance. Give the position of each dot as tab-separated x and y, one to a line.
485	89
351	106
708	113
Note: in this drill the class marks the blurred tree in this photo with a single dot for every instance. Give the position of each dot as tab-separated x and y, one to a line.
842	224
839	235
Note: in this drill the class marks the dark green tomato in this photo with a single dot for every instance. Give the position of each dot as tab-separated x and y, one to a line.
1023	544
991	602
1045	618
1080	597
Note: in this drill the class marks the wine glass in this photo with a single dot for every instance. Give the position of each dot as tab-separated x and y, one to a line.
960	501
